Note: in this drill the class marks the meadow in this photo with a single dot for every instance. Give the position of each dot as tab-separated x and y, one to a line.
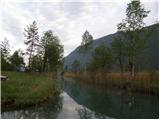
27	89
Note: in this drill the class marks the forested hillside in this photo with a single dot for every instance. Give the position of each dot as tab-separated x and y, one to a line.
148	60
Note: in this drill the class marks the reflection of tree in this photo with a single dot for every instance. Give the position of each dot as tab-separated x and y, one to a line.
46	111
114	103
84	113
75	92
100	116
50	110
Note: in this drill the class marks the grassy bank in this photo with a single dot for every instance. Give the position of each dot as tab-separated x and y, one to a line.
26	89
144	81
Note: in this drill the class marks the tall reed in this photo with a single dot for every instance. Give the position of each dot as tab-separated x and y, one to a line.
147	82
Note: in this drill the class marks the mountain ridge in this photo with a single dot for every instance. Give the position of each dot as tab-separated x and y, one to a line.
85	57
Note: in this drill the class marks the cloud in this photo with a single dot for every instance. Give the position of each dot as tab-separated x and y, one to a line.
67	20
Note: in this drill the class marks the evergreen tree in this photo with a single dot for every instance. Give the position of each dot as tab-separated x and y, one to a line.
5	49
32	40
5	54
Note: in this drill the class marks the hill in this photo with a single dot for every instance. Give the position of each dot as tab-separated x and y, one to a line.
149	59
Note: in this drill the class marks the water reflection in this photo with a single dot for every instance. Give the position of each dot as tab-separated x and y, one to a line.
85	113
114	103
46	111
87	101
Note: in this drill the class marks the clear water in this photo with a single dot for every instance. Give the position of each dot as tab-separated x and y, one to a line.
88	101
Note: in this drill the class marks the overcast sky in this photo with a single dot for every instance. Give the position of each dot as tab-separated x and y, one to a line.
67	20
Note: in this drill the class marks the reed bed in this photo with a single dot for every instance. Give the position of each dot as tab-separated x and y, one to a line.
146	82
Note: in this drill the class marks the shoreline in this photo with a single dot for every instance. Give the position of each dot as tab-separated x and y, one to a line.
114	80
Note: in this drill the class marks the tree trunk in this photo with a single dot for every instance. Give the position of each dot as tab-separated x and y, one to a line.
121	67
30	57
30	60
132	70
44	63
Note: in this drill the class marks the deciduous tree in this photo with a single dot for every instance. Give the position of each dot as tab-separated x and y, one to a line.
102	58
16	59
86	38
132	27
52	51
118	52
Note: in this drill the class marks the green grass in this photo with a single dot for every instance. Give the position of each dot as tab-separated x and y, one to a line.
24	89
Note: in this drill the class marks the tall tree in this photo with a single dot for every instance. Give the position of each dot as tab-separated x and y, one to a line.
132	27
86	38
36	63
32	39
52	51
102	59
118	52
5	48
5	54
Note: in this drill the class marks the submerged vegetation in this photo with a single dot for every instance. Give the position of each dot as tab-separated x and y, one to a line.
26	89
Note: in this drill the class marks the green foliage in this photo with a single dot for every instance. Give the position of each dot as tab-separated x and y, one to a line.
135	13
132	27
118	51
5	50
16	59
118	47
76	66
5	65
86	40
32	40
36	63
52	51
44	55
102	58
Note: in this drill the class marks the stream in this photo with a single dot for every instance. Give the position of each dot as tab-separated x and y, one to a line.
79	100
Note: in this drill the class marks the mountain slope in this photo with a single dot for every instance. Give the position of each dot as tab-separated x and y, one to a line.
85	57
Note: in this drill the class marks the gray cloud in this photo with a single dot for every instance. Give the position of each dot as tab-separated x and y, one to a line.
68	20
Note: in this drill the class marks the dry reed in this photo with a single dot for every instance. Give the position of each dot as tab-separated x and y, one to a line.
147	82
